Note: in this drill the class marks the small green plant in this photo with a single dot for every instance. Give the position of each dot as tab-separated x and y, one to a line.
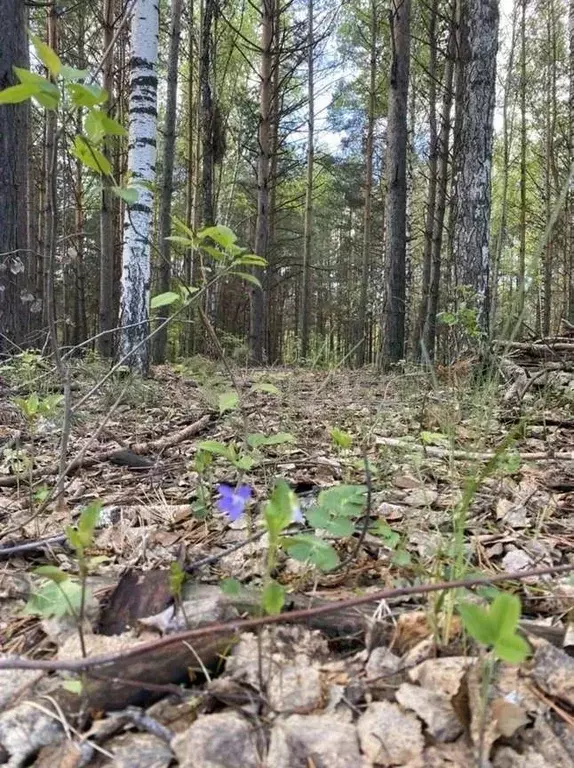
34	407
218	243
59	594
495	627
341	440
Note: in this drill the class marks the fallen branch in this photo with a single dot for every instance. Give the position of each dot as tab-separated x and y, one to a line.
153	446
433	450
230	628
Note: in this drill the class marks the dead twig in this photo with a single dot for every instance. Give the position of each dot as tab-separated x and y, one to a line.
232	627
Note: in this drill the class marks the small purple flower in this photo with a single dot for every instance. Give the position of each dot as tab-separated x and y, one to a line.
297	514
232	501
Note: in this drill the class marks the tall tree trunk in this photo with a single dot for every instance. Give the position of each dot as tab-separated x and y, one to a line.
432	185
363	316
571	160
191	178
107	313
14	254
167	181
257	313
523	137
507	135
429	330
207	117
396	170
478	47
308	224
134	311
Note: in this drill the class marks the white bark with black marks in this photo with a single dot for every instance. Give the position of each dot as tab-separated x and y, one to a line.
134	306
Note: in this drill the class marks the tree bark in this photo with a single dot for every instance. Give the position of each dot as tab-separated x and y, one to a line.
522	251
14	253
257	310
396	171
478	47
308	223
134	312
107	308
164	227
363	315
432	186
429	330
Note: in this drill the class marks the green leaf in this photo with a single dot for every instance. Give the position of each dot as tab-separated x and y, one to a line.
433	438
18	93
71	73
227	401
270	389
251	260
244	463
248	278
504	614
336	526
47	56
90	156
213	252
311	549
50	601
179	224
48	94
476	621
86	95
401	558
180	240
513	648
257	440
273	598
212	446
163	299
279	509
220	234
52	573
340	438
348	500
231	587
111	126
177	577
130	195
73	686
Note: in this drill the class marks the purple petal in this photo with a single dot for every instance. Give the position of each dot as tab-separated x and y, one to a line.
297	514
224	490
244	492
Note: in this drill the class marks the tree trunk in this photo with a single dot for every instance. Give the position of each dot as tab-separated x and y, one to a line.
141	166
478	47
507	131
571	161
429	330
522	251
308	223
14	253
206	114
396	170
167	181
107	314
362	320
257	324
432	186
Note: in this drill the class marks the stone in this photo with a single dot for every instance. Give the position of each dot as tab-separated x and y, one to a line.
433	708
389	736
223	740
323	741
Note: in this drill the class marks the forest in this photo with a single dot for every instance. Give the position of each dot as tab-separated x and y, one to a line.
287	383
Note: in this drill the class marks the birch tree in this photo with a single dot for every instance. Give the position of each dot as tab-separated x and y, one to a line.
134	305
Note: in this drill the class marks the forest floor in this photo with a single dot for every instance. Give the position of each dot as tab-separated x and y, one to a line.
460	482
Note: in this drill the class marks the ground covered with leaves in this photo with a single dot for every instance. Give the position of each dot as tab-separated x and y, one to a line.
205	497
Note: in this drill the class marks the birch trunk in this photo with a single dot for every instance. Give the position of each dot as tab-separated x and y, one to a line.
134	305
